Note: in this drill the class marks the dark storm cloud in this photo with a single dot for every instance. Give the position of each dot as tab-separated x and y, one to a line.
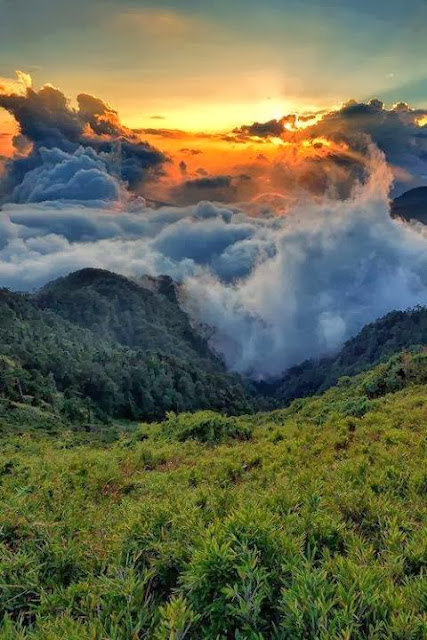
190	152
47	121
214	182
395	131
217	188
272	128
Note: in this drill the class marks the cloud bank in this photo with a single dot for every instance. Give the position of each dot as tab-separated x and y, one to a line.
274	290
399	132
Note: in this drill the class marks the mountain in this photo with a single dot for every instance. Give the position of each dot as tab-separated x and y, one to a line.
397	331
95	346
98	346
144	315
411	205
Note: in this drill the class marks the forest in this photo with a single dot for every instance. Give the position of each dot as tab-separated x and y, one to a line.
95	347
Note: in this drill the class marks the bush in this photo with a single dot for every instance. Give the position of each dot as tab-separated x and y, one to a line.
205	426
399	372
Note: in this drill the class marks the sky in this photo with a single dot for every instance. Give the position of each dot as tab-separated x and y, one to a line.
203	65
247	149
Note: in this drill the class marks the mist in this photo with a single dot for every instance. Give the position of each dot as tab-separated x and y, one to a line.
273	290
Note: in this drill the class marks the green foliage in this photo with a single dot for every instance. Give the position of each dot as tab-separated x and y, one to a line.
94	347
396	374
315	528
376	342
143	316
205	426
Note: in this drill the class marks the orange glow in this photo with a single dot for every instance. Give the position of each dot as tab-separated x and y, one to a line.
298	122
265	172
422	122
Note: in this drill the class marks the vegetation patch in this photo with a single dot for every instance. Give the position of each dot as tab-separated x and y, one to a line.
307	522
205	426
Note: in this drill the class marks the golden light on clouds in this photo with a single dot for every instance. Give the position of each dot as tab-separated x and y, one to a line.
18	85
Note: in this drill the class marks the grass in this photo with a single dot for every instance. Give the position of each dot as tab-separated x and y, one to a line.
303	523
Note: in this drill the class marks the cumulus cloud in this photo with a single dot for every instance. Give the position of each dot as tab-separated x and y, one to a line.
81	175
335	267
47	121
275	290
396	131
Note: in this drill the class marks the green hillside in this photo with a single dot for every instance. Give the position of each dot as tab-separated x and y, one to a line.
95	347
126	312
305	523
81	373
376	342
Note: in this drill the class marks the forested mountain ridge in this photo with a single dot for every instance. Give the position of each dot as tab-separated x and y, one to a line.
97	346
80	374
395	332
138	316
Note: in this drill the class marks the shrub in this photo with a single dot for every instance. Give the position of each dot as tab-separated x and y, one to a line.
205	426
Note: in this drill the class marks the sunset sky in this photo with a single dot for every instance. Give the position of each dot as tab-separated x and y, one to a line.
199	65
252	150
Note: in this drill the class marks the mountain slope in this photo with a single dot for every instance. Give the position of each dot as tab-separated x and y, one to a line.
129	313
95	345
377	341
81	374
314	528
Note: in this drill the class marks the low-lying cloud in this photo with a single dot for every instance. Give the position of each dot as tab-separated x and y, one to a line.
274	290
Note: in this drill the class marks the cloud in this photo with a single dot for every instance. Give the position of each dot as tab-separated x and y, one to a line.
335	267
275	290
190	152
46	121
81	176
219	188
271	128
395	131
201	242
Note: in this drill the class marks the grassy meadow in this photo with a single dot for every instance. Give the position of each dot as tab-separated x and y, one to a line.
303	523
